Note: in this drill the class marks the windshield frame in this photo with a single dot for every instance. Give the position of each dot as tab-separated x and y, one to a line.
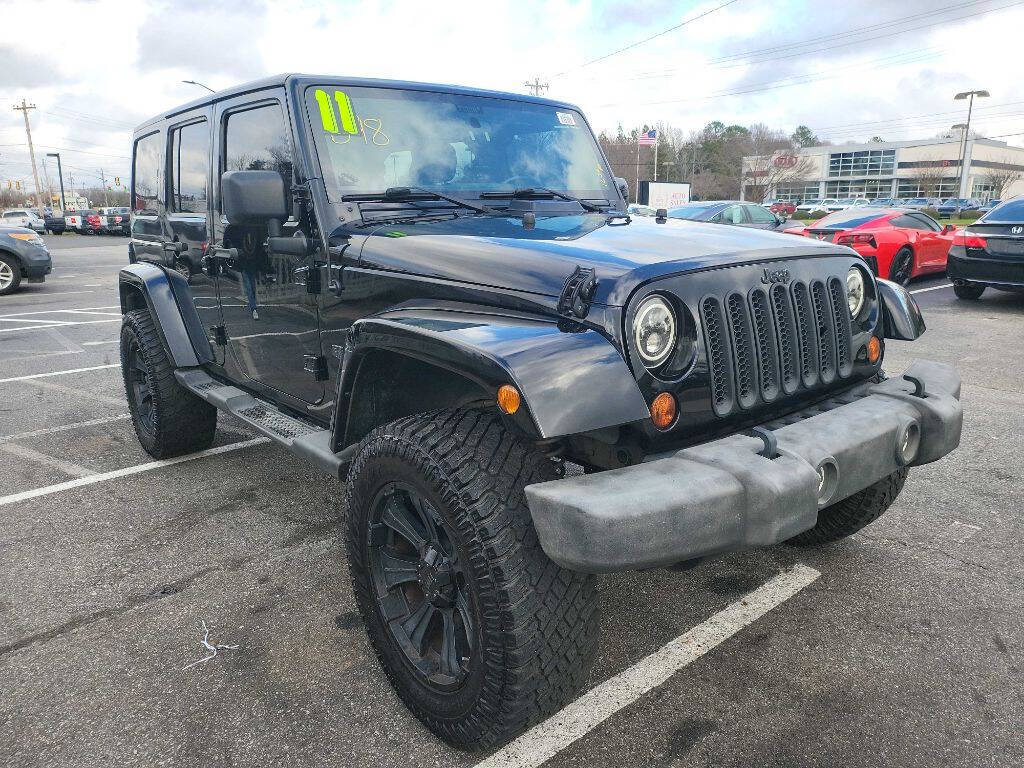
303	94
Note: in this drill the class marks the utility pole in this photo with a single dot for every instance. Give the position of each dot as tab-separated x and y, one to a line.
103	181
536	87
24	108
960	191
60	176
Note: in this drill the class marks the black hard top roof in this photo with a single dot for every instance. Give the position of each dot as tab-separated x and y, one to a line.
301	80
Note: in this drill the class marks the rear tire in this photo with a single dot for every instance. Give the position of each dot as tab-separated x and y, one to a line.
968	291
902	267
169	420
10	275
528	628
848	516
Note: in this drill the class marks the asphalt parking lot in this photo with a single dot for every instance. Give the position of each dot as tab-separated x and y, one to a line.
906	650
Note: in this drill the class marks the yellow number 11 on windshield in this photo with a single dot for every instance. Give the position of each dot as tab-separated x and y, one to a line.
327	115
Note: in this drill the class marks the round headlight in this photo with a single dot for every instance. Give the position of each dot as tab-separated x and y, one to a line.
654	330
855	290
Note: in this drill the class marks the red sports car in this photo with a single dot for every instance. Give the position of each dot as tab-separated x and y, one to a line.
898	244
782	207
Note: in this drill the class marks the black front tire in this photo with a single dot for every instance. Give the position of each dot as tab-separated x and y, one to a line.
533	625
902	266
169	420
968	291
846	517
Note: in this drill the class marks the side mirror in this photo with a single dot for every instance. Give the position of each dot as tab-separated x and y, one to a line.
253	197
948	228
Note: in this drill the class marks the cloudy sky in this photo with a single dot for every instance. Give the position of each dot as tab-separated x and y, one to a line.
849	70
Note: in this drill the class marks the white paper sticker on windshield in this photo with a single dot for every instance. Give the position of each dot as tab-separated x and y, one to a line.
566	118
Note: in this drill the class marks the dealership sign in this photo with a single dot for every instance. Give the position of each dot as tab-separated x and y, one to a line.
785	161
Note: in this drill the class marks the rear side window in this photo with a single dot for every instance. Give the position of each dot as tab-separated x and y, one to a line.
190	160
257	140
146	174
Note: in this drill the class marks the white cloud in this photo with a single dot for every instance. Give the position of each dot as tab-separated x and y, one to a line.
101	67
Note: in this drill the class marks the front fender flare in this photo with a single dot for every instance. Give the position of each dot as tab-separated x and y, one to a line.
902	317
571	382
169	301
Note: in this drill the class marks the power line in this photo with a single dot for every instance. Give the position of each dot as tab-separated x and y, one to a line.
646	39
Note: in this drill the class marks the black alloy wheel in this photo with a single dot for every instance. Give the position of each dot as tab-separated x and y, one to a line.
420	587
902	266
141	393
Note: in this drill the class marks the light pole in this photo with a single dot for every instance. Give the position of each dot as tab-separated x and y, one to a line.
193	82
963	152
60	175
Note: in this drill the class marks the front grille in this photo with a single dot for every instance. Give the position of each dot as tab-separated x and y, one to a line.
774	341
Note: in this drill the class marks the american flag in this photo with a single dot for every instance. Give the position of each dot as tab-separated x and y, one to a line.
648	138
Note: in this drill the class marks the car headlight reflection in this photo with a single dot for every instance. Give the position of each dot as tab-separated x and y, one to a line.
855	290
654	330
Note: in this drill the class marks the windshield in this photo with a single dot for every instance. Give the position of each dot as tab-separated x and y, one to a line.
371	139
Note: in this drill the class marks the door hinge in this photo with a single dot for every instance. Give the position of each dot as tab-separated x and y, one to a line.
577	293
316	365
220	336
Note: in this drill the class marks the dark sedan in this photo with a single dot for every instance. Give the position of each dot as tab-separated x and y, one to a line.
989	252
735	212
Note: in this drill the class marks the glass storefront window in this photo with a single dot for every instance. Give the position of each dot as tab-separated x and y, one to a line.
873	162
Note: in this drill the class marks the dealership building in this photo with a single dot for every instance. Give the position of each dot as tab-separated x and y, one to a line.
903	169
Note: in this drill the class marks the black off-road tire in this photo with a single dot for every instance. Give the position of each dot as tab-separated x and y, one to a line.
180	422
968	291
848	516
536	624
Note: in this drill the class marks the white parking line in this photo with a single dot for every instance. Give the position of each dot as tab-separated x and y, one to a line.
30	454
54	311
62	428
134	470
58	324
546	740
59	373
933	288
97	343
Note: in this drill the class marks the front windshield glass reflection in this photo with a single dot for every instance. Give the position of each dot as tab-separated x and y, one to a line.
372	139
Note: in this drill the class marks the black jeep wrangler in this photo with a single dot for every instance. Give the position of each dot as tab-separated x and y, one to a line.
435	294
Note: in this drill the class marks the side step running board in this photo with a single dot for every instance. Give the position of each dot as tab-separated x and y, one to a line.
299	437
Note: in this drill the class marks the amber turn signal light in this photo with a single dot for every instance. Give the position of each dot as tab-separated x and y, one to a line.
663	410
509	399
874	350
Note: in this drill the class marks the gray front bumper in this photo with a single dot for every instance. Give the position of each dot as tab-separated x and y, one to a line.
723	496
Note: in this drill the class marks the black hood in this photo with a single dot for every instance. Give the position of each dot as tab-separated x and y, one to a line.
500	252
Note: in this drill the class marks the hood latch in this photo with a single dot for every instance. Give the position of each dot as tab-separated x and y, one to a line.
578	292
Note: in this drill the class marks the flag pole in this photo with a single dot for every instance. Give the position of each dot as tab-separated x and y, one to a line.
636	193
655	156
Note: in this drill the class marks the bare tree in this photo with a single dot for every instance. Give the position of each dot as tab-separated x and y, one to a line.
764	172
929	179
1001	179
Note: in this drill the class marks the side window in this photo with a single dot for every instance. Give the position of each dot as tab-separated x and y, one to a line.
927	222
257	140
190	159
146	175
909	222
734	215
759	214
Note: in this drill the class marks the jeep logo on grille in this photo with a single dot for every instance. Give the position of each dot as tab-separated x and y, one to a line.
775	276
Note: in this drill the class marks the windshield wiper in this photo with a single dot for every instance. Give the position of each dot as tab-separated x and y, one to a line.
412	194
527	192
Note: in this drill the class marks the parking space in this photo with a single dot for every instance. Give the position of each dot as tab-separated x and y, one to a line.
899	646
